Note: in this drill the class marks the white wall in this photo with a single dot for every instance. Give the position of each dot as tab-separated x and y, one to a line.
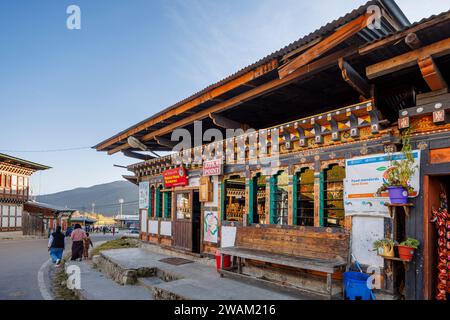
366	230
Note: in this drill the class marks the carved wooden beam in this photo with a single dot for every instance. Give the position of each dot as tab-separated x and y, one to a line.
136	155
409	59
165	142
431	74
335	134
339	36
354	79
354	130
301	137
318	133
226	123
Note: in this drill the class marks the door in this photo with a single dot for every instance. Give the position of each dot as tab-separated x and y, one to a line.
182	224
196	214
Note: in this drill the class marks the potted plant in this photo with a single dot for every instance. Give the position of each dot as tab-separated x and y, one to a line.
406	249
384	247
399	174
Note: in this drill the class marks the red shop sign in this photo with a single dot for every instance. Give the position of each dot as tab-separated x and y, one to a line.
176	177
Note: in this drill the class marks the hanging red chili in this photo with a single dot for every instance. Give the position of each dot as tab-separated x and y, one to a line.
441	218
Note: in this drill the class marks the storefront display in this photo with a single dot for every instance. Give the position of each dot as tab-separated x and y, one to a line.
235	199
183	207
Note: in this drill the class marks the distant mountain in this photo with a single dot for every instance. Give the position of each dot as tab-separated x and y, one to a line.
105	196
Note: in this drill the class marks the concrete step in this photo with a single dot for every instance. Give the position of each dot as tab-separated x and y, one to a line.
96	286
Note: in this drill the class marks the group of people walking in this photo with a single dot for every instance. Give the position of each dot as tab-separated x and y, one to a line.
80	244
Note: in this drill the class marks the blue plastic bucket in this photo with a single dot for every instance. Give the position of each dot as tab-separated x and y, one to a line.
398	195
355	286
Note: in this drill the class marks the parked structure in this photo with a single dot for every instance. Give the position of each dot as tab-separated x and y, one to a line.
41	219
14	189
337	98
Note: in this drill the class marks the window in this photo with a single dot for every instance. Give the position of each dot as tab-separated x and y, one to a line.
158	206
333	196
167	203
280	198
234	199
14	185
183	207
305	198
258	199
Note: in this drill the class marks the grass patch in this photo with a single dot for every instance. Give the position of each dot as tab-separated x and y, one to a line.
115	244
60	286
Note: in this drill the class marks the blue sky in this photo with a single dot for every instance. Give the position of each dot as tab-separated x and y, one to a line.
65	88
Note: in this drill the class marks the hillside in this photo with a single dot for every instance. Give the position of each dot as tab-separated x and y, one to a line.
105	196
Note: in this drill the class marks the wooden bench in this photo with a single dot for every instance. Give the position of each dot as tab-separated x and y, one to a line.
317	249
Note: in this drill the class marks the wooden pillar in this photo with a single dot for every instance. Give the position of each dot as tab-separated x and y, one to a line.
292	199
318	203
249	199
267	204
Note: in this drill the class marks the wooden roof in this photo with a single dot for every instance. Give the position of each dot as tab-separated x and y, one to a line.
277	70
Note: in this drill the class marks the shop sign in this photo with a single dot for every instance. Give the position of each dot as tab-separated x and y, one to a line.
144	190
364	175
212	167
176	177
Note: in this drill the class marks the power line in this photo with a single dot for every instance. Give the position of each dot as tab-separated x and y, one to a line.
48	150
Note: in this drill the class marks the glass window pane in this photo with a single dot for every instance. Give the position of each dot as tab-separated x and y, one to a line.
334	196
182	206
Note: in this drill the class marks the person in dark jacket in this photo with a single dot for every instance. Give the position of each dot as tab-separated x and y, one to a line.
56	246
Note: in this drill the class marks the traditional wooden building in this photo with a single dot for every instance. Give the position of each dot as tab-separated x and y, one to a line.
291	207
41	219
14	189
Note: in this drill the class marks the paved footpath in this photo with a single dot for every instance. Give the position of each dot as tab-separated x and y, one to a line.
20	263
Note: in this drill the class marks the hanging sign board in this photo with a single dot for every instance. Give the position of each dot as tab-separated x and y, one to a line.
212	168
176	177
144	189
364	175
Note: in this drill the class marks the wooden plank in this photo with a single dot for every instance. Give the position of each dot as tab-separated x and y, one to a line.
354	79
210	95
440	155
322	47
408	59
431	74
306	70
296	262
400	35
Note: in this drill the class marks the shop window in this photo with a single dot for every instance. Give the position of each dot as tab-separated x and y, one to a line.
183	207
305	198
279	198
167	204
258	199
151	205
234	199
158	206
333	196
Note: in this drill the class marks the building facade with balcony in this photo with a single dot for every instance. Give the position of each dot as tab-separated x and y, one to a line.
14	189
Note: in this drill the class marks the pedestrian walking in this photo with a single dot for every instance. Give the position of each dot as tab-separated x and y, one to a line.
104	230
56	246
86	243
113	230
78	235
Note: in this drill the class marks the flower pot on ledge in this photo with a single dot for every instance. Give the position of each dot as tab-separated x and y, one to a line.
405	253
398	195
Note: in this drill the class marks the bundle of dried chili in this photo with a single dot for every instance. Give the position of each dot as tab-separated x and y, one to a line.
441	218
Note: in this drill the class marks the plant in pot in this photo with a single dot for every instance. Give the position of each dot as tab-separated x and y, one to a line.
406	249
399	174
384	247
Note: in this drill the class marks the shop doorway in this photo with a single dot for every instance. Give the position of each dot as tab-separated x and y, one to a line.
186	226
434	186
